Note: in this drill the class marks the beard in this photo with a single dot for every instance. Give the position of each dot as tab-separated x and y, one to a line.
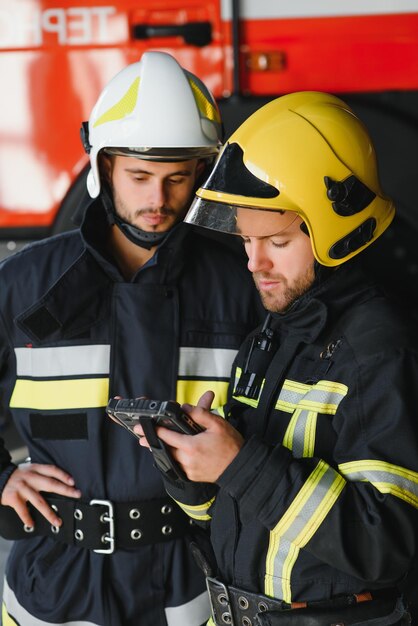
131	218
279	300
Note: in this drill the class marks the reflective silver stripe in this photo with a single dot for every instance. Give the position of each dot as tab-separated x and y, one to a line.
193	613
298	525
21	615
63	361
207	362
301	432
323	397
385	477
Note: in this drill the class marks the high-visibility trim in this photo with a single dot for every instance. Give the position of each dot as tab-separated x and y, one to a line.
206	362
243	399
63	361
300	433
322	397
6	619
45	395
206	107
298	525
197	511
385	477
13	614
124	107
191	390
192	613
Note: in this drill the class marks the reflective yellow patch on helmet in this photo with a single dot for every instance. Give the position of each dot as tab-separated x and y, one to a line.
122	108
205	106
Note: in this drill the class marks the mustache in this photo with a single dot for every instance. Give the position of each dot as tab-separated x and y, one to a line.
266	276
162	210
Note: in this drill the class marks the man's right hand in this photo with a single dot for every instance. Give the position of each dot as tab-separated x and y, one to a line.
25	485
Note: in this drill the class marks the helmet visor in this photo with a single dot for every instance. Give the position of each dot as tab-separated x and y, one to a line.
239	220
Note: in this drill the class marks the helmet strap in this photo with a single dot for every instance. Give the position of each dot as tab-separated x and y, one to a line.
136	235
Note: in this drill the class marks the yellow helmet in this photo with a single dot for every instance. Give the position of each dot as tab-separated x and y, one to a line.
306	153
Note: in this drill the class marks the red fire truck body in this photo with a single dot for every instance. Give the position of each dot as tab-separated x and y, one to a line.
56	56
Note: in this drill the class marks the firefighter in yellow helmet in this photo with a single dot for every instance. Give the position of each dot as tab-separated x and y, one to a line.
310	483
120	305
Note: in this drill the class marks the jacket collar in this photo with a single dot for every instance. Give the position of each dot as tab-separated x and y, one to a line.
325	302
80	298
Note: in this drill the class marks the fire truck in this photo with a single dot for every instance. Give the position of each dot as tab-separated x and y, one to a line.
57	55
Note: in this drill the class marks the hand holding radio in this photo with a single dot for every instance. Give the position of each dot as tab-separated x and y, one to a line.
199	459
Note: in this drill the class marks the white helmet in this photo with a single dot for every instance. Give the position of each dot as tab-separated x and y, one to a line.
153	109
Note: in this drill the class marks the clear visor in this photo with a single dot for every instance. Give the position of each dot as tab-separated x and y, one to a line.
165	154
239	220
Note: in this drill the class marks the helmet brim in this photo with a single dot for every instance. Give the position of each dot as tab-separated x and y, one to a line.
164	154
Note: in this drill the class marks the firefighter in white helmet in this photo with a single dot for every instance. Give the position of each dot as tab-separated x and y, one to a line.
314	500
133	303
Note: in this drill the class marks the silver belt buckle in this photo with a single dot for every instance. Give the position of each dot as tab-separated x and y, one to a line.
106	518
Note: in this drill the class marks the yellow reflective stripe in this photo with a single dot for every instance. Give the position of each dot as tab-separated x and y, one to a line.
191	390
298	525
289	562
6	619
300	433
243	399
60	394
205	106
385	477
124	107
322	397
197	511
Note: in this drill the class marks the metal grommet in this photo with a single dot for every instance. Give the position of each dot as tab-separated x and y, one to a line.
79	535
246	621
227	618
103	518
104	538
222	599
166	509
28	529
78	514
243	603
134	513
136	534
167	530
262	607
55	529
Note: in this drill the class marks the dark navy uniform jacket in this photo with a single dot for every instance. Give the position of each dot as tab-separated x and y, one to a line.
322	499
73	333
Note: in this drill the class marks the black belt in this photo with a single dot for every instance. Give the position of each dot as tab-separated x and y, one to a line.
237	607
101	525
